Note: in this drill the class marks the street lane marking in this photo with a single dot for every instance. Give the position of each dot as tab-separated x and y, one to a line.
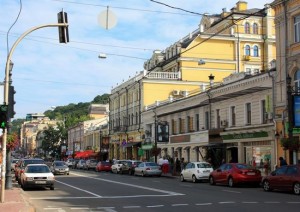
208	203
131	206
78	188
232	191
154	206
175	205
229	202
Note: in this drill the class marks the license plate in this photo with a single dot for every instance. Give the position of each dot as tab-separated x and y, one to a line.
250	173
40	182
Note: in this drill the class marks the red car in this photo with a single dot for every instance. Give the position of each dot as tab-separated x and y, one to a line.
103	166
232	174
285	178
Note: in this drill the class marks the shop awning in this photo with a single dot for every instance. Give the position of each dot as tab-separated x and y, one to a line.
84	154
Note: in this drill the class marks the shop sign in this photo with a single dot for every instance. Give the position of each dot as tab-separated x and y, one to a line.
295	130
245	135
147	146
180	139
199	138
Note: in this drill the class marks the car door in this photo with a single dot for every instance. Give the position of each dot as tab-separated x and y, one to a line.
187	171
220	173
277	178
289	178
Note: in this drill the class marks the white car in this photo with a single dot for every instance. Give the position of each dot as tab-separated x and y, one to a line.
116	167
37	175
196	171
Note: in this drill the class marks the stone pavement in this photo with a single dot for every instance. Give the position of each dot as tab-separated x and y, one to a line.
16	200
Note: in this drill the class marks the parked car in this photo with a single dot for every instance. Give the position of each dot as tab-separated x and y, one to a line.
285	178
69	162
129	166
22	163
80	164
148	169
232	174
196	171
13	164
59	167
103	166
116	166
74	163
90	164
37	175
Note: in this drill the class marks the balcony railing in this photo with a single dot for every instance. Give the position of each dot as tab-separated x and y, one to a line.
164	75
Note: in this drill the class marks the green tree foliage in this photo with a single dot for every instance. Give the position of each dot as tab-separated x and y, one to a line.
52	140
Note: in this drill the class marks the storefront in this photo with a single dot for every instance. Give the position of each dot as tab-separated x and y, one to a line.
254	147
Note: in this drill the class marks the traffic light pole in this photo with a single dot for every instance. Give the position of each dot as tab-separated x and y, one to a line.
6	88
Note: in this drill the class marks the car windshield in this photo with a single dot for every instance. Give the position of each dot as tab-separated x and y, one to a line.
204	165
151	164
243	166
59	163
37	169
26	162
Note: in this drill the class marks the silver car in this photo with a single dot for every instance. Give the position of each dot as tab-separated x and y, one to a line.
148	169
59	167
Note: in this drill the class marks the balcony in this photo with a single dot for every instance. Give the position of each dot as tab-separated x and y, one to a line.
164	75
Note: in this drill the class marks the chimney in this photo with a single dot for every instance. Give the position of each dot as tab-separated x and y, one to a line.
224	12
241	5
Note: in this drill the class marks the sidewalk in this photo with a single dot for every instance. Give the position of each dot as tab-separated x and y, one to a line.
16	200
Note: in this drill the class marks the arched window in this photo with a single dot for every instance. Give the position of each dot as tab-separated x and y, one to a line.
255	28
247	28
255	51
297	80
247	50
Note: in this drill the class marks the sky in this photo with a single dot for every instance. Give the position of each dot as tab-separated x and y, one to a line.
48	74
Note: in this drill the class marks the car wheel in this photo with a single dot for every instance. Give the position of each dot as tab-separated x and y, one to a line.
52	188
296	188
194	179
266	186
182	178
212	181
230	182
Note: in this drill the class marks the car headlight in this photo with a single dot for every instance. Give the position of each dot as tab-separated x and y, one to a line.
67	169
51	178
56	169
29	178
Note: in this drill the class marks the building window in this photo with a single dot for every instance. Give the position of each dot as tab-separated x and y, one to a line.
255	51
190	126
255	28
297	81
248	113
297	28
207	120
136	118
247	50
197	122
264	113
181	125
247	28
232	111
218	118
173	127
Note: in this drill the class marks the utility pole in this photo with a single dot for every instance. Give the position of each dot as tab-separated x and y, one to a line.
6	87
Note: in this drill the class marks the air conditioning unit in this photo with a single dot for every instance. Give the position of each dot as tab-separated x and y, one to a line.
247	57
176	92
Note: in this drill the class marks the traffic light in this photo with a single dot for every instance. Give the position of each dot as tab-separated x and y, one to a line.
3	116
63	30
11	102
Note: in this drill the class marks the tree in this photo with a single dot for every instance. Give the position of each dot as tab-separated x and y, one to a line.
51	141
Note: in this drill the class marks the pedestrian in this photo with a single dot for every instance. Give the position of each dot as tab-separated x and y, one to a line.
182	164
282	162
177	165
267	166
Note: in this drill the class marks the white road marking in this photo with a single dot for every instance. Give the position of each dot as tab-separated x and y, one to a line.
208	203
249	202
154	206
131	206
232	191
229	202
175	205
96	195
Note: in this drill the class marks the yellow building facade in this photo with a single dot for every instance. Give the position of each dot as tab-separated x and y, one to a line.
238	40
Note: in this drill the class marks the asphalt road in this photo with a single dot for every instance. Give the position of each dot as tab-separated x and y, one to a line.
92	191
